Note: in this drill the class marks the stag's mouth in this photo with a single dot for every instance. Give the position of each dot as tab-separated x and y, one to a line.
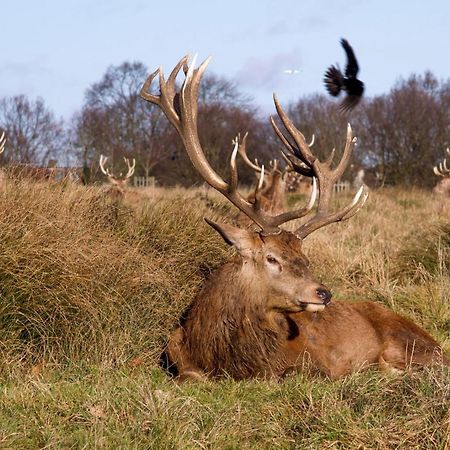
312	307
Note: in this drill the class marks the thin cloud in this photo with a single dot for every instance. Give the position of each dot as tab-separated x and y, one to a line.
268	73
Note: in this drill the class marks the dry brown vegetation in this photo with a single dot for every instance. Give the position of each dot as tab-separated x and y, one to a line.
90	291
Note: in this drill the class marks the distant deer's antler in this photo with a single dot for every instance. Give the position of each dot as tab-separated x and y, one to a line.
442	170
107	172
2	142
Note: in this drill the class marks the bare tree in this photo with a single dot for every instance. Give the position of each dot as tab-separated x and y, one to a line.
115	122
401	133
34	135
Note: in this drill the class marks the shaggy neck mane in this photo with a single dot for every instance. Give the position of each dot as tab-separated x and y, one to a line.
227	328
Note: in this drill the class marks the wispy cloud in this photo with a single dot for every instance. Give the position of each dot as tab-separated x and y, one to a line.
268	73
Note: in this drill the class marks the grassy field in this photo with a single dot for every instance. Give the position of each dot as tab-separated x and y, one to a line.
90	290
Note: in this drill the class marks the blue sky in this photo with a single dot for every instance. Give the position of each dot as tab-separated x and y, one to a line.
57	48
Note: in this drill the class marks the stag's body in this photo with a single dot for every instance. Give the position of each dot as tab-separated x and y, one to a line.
242	325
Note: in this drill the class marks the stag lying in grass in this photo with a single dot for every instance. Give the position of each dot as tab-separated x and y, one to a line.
263	313
119	182
442	170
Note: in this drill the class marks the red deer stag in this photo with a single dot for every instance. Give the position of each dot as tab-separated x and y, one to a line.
263	313
119	182
443	186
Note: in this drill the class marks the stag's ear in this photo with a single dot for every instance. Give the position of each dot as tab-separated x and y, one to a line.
243	240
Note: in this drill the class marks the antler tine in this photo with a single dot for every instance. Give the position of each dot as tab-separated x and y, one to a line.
291	149
131	167
303	152
326	175
274	165
242	149
441	169
166	99
181	110
258	191
298	213
2	142
103	160
297	165
320	220
183	116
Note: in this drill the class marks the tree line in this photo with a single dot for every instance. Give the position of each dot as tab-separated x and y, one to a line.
401	134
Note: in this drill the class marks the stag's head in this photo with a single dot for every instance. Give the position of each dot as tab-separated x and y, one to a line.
271	260
275	267
119	181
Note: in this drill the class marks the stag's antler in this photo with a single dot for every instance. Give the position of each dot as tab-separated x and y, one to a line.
242	150
442	170
181	108
307	164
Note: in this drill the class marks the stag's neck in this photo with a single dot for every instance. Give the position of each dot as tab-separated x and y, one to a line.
228	329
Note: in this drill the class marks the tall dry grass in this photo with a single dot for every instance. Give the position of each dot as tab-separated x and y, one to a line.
83	278
89	291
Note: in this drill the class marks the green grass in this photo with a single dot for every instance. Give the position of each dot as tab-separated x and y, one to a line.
89	292
83	407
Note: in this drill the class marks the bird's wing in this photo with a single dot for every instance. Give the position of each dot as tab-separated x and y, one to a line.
349	102
352	67
334	81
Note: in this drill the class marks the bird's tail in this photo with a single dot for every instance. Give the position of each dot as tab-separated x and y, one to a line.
334	80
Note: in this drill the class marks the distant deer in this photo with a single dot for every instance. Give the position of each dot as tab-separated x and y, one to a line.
443	186
277	182
272	194
119	182
26	171
263	313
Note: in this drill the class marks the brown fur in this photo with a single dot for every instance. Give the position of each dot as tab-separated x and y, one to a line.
273	194
442	187
273	198
248	321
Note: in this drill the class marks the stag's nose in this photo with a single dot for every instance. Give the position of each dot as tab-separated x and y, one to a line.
324	295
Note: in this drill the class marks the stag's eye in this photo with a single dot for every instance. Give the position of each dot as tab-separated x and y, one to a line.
271	260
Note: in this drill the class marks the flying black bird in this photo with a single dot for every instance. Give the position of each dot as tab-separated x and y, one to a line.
335	82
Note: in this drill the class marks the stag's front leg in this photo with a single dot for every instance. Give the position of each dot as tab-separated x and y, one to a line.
178	360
